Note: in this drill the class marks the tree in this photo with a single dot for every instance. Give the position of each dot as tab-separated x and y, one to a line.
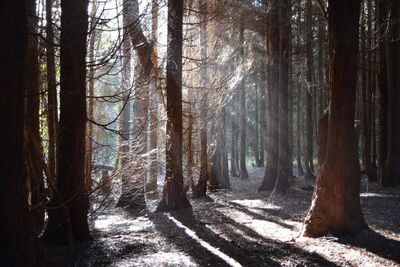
52	107
310	85
174	197
391	174
271	171
242	95
284	159
68	211
17	232
336	205
34	155
201	187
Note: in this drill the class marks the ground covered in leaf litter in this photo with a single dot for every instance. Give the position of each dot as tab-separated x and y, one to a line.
237	227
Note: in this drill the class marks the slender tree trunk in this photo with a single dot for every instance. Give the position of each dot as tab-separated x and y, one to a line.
90	94
32	87
309	93
242	92
174	197
256	122
52	107
300	170
18	233
263	124
234	166
336	205
201	187
151	186
382	94
71	153
392	164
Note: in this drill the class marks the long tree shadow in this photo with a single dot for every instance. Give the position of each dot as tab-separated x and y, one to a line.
254	251
376	243
264	217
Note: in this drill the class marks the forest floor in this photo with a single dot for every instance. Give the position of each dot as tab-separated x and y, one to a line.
238	227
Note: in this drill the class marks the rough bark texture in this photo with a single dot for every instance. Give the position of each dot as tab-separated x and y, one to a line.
174	197
392	163
336	204
17	232
71	153
271	171
284	160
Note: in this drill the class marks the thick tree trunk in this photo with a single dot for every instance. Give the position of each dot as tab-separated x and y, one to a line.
271	171
174	197
284	161
336	205
17	230
71	153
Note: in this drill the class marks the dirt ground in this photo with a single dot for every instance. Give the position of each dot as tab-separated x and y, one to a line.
237	227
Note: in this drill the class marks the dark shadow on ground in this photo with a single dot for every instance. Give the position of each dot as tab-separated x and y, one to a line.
257	251
375	243
267	216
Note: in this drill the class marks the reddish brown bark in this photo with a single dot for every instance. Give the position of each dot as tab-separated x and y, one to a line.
174	197
71	154
18	237
336	205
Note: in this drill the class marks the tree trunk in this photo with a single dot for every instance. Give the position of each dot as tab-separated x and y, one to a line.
382	94
32	88
90	94
263	124
234	166
256	122
151	185
174	196
201	187
309	100
71	153
271	171
52	107
300	170
243	148
336	205
17	230
392	163
284	160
